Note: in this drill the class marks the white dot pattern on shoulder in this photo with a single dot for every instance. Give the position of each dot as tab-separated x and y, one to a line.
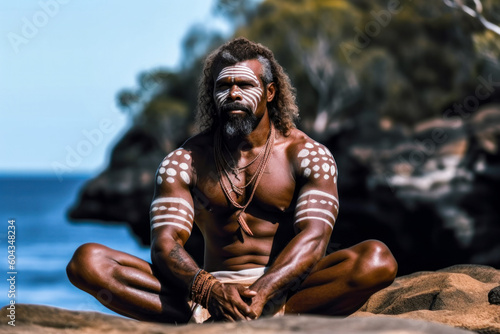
317	158
174	165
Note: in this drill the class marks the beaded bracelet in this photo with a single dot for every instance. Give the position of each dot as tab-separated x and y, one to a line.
201	288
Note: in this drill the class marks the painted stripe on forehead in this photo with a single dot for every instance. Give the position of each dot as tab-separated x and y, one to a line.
172	216
170	223
235	70
319	193
326	212
174	200
315	218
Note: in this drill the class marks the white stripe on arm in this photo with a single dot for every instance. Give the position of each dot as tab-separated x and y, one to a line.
155	225
319	193
315	218
326	212
176	200
172	216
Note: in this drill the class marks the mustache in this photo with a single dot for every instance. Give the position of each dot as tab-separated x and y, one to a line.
235	106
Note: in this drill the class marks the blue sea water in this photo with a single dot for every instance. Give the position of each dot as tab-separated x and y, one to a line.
46	239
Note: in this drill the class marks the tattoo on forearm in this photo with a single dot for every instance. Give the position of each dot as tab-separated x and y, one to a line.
179	263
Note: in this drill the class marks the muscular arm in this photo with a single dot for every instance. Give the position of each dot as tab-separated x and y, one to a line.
172	217
315	214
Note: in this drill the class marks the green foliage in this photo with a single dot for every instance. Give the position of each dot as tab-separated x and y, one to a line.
403	61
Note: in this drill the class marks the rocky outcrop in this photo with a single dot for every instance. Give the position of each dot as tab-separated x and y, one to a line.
45	319
456	296
427	191
452	300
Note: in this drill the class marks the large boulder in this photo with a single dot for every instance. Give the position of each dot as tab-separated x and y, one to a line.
456	296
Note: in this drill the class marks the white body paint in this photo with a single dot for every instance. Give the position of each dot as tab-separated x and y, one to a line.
316	206
316	162
318	159
175	164
172	215
174	200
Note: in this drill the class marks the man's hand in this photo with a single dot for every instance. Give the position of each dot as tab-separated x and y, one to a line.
230	302
257	306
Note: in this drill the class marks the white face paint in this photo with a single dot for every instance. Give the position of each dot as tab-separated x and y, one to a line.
248	86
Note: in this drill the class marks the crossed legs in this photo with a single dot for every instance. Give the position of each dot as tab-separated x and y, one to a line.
342	282
126	285
338	285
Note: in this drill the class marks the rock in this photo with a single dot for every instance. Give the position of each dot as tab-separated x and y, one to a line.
433	184
451	300
46	319
456	296
494	296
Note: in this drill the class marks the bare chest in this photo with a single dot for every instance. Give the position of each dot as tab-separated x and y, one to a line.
224	192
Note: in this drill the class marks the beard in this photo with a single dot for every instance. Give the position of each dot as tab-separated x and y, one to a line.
237	125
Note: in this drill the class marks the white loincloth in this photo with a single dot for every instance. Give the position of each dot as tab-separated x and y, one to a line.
245	277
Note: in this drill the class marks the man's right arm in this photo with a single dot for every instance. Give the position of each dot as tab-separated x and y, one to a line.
172	216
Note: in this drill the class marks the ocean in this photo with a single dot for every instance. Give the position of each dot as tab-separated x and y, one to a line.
45	241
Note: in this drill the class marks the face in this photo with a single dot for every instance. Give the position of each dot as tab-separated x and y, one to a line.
240	97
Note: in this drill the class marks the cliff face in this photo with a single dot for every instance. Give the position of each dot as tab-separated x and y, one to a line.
429	191
449	301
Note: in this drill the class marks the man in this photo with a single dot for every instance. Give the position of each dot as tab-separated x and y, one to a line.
264	196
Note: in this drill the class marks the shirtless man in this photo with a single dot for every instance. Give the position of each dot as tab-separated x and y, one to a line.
264	196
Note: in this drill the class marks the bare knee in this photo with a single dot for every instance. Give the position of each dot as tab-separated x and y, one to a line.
375	265
83	269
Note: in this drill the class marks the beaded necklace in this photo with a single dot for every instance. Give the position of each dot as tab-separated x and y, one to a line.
223	173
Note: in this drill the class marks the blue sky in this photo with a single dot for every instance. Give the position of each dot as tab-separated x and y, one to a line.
62	63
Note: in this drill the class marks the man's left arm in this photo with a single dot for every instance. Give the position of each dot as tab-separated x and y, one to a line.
315	214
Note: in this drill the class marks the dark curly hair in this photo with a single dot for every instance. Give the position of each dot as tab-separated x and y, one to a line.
283	110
